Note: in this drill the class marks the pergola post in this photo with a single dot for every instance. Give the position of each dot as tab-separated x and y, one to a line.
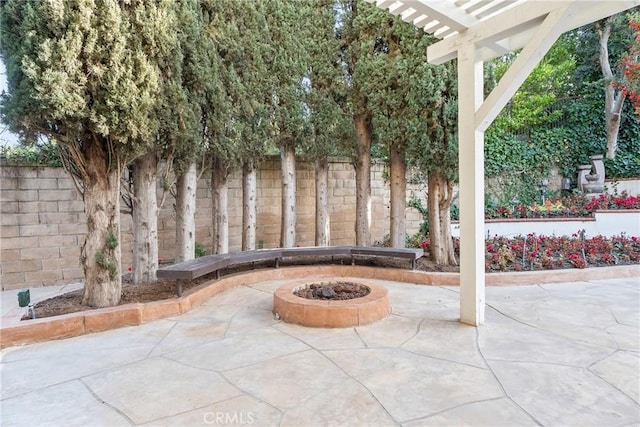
479	32
471	155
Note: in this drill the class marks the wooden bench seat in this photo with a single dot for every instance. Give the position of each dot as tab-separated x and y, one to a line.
317	251
245	257
190	270
408	253
193	269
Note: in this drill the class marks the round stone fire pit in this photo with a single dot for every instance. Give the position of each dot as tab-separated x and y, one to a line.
328	312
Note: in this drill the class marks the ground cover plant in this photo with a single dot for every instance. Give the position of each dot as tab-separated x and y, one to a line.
575	205
540	252
532	252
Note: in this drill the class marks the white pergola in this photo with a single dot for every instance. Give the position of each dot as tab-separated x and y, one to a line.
474	31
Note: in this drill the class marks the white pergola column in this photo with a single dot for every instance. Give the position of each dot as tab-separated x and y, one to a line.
471	160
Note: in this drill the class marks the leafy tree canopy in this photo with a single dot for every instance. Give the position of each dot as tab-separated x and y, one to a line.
78	68
557	117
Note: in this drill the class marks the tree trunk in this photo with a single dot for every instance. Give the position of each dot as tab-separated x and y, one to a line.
145	218
101	251
186	187
322	202
220	205
613	100
249	205
363	180
439	203
288	226
398	198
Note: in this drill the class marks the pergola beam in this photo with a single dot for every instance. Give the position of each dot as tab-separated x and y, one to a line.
507	24
441	11
433	10
513	28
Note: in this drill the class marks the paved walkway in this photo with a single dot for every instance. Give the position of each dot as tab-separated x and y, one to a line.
558	354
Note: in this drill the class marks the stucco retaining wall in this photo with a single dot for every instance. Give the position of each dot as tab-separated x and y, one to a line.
606	223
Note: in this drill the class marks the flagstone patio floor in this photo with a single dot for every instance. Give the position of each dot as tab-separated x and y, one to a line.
551	354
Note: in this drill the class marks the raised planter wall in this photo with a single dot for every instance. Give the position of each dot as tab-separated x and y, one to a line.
631	186
605	223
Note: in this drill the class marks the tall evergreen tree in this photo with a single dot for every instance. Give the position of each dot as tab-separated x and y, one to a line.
289	114
76	73
169	119
325	97
218	122
254	101
238	135
433	145
413	106
358	40
396	54
199	77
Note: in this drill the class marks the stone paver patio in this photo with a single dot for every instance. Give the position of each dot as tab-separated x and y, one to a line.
554	354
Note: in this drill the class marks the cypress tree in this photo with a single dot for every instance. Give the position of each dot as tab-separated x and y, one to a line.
79	73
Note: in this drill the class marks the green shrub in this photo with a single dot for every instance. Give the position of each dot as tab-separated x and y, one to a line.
32	155
200	250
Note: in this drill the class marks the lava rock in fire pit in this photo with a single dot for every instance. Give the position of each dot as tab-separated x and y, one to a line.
332	291
324	292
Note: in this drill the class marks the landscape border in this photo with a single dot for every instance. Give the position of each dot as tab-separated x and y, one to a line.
97	320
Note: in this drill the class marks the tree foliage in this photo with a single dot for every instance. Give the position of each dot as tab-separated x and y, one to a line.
325	91
556	119
287	67
630	63
72	71
85	73
531	105
188	76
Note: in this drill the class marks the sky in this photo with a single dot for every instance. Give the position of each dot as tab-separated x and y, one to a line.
6	138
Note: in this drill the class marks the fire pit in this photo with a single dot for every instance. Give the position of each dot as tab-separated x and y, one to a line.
338	303
334	291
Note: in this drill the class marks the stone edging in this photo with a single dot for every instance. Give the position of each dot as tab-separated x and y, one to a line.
85	322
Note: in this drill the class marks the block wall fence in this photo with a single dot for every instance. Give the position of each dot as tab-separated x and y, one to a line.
43	224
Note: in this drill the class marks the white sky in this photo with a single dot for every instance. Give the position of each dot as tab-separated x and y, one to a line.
6	137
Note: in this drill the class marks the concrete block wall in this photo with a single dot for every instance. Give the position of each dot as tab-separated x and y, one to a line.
43	227
43	223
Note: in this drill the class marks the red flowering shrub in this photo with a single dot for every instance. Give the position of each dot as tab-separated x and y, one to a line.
577	260
607	201
533	252
574	206
630	64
